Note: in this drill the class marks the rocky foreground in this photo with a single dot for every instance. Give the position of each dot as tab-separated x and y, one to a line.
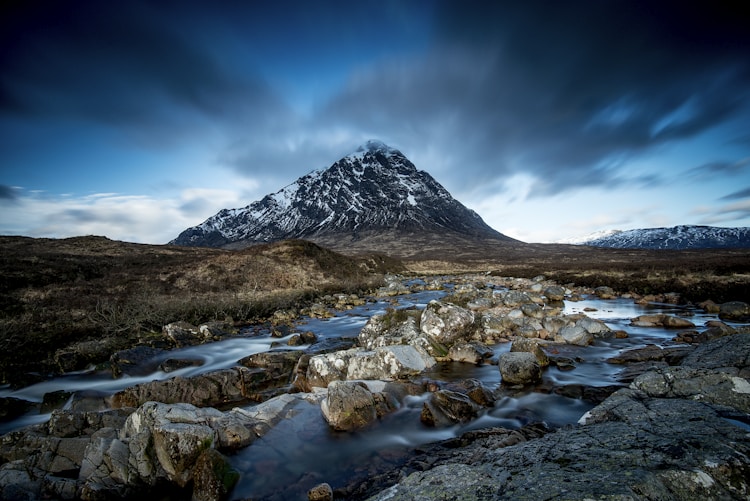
679	430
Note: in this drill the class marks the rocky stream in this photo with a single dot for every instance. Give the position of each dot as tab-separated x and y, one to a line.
472	387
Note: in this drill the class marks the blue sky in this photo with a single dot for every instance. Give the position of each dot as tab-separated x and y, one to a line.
138	119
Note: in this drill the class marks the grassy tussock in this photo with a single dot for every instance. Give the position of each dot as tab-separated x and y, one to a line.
59	292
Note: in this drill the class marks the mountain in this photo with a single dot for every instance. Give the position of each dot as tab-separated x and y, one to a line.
588	238
373	192
676	238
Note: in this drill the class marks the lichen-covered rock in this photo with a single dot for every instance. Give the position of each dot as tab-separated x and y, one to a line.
350	405
631	447
734	310
534	346
519	368
321	492
213	477
445	322
388	363
183	334
473	352
554	293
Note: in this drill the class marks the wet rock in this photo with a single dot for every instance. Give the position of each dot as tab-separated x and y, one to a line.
321	492
80	355
279	364
175	364
183	334
633	370
135	361
213	477
696	384
54	400
555	293
206	390
662	320
398	327
350	405
214	331
575	334
629	448
11	408
731	353
709	306
445	407
473	353
734	310
579	330
515	298
531	346
388	363
519	368
672	355
445	322
605	292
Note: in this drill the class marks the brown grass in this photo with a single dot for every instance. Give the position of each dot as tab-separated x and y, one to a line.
58	292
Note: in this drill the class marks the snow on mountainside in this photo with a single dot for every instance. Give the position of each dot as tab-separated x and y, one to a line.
375	188
676	238
588	238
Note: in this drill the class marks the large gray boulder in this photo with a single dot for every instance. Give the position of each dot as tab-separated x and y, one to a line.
350	405
386	363
445	323
519	368
631	447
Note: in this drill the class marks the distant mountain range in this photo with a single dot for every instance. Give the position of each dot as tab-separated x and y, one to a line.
675	238
372	192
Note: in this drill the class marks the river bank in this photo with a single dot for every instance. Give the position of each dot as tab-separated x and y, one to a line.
285	446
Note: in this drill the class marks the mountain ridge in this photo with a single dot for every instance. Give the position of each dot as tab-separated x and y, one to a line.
373	190
679	237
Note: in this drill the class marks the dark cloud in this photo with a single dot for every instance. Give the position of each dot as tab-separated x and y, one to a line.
737	195
567	92
8	193
721	167
135	65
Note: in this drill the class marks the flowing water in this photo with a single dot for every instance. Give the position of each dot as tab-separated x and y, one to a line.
301	452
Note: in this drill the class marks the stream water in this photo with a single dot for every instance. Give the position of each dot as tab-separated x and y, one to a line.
301	452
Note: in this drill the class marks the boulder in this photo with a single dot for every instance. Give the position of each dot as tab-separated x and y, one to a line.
729	353
534	346
575	334
445	323
473	353
445	408
236	384
706	385
519	368
672	355
213	477
183	334
629	447
386	363
349	406
554	293
139	360
515	298
321	492
734	310
605	292
662	320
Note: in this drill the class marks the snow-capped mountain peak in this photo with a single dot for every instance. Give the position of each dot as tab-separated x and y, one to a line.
376	188
676	237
